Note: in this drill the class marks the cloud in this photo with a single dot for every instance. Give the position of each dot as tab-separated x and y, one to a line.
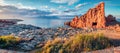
66	11
19	10
59	1
70	10
21	6
60	6
53	10
58	12
72	2
25	12
44	7
75	11
80	5
49	9
69	2
18	5
2	2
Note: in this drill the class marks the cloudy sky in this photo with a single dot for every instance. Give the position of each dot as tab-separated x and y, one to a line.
41	8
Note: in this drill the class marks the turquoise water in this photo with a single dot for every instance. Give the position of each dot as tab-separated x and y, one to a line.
45	23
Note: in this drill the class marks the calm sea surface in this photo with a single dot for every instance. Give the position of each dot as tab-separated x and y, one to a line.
45	23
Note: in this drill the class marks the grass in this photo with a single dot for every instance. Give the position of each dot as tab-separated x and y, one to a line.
76	44
8	41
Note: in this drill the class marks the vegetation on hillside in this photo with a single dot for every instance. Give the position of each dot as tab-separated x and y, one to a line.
76	44
8	41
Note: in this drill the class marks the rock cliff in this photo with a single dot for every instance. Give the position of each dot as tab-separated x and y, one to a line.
95	17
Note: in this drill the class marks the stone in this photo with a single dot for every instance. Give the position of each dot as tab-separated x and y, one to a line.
94	18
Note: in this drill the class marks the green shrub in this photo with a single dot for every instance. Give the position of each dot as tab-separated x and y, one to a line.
76	44
8	40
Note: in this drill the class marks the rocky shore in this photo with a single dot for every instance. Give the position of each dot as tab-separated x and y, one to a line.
34	36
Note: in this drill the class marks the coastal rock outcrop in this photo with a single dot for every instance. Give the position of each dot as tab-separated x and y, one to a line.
94	18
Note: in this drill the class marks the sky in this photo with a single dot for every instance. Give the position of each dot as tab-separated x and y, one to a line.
53	8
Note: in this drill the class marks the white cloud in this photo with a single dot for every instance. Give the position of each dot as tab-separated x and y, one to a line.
2	3
21	6
53	10
61	7
69	2
79	5
60	1
72	2
57	12
49	9
12	11
26	11
44	7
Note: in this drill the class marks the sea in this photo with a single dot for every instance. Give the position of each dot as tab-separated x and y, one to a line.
44	23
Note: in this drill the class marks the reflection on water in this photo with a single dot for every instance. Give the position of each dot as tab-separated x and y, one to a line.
45	23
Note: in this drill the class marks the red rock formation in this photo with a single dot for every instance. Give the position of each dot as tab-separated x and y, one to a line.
94	18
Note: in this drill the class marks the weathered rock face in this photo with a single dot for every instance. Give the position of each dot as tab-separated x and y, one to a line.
94	18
